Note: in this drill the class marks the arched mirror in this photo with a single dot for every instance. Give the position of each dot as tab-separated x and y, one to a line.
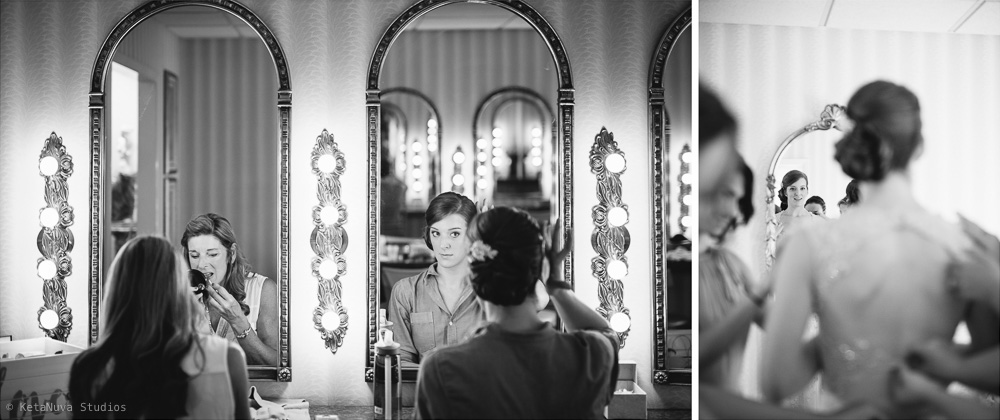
190	104
513	152
809	152
456	54
670	155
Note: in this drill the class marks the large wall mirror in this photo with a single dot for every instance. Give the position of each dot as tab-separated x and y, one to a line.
437	64
804	167
190	103
670	155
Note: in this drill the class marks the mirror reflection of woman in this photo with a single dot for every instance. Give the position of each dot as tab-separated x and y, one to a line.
437	307
242	306
151	360
793	194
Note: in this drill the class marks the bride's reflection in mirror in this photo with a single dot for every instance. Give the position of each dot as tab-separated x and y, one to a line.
193	131
438	74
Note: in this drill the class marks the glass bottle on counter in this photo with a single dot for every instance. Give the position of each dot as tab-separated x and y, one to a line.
387	372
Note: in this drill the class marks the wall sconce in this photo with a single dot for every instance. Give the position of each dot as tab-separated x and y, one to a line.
329	240
458	180
610	238
55	240
685	179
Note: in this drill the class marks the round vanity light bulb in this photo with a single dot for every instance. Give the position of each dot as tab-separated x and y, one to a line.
536	151
481	144
482	184
686	157
432	123
48	166
617	269
458	157
615	163
536	161
482	156
432	131
620	322
497	132
617	216
686	221
329	215
417	147
418	173
49	217
687	200
497	161
432	146
458	179
46	269
402	147
496	142
330	321
536	142
417	160
49	319
326	164
497	152
418	186
401	167
536	132
327	269
686	179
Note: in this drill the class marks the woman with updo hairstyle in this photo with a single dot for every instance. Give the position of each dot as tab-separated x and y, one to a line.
437	307
518	366
241	305
877	279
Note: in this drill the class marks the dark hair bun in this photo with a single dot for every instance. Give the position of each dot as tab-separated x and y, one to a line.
863	155
509	277
886	132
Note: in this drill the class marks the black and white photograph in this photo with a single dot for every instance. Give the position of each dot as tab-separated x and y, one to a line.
848	258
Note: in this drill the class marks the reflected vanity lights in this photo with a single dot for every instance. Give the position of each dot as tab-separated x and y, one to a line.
481	170
685	179
432	135
458	180
536	147
55	240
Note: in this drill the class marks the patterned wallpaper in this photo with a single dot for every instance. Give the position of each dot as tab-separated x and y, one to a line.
47	52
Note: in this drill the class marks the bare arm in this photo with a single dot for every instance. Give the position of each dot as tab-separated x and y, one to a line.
238	380
262	346
714	340
789	363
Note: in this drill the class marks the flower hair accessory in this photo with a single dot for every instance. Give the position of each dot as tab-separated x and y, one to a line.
480	251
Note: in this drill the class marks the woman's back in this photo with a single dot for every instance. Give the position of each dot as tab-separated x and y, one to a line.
878	286
210	390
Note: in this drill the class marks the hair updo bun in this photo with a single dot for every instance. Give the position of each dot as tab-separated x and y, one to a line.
509	277
886	131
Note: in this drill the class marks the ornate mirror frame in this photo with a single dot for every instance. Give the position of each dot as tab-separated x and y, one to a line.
565	129
536	100
98	144
833	117
659	138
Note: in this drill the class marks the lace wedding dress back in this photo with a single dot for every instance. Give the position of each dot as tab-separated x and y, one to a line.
879	288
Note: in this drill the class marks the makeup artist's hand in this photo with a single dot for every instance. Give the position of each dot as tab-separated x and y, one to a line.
936	358
910	388
223	302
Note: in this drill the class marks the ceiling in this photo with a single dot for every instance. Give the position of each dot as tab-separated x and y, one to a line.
207	22
950	16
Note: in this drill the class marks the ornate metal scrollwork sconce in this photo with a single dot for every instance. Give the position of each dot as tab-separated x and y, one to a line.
55	240
610	238
329	240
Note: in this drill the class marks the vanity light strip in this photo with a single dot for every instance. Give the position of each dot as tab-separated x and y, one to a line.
610	238
55	240
329	240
